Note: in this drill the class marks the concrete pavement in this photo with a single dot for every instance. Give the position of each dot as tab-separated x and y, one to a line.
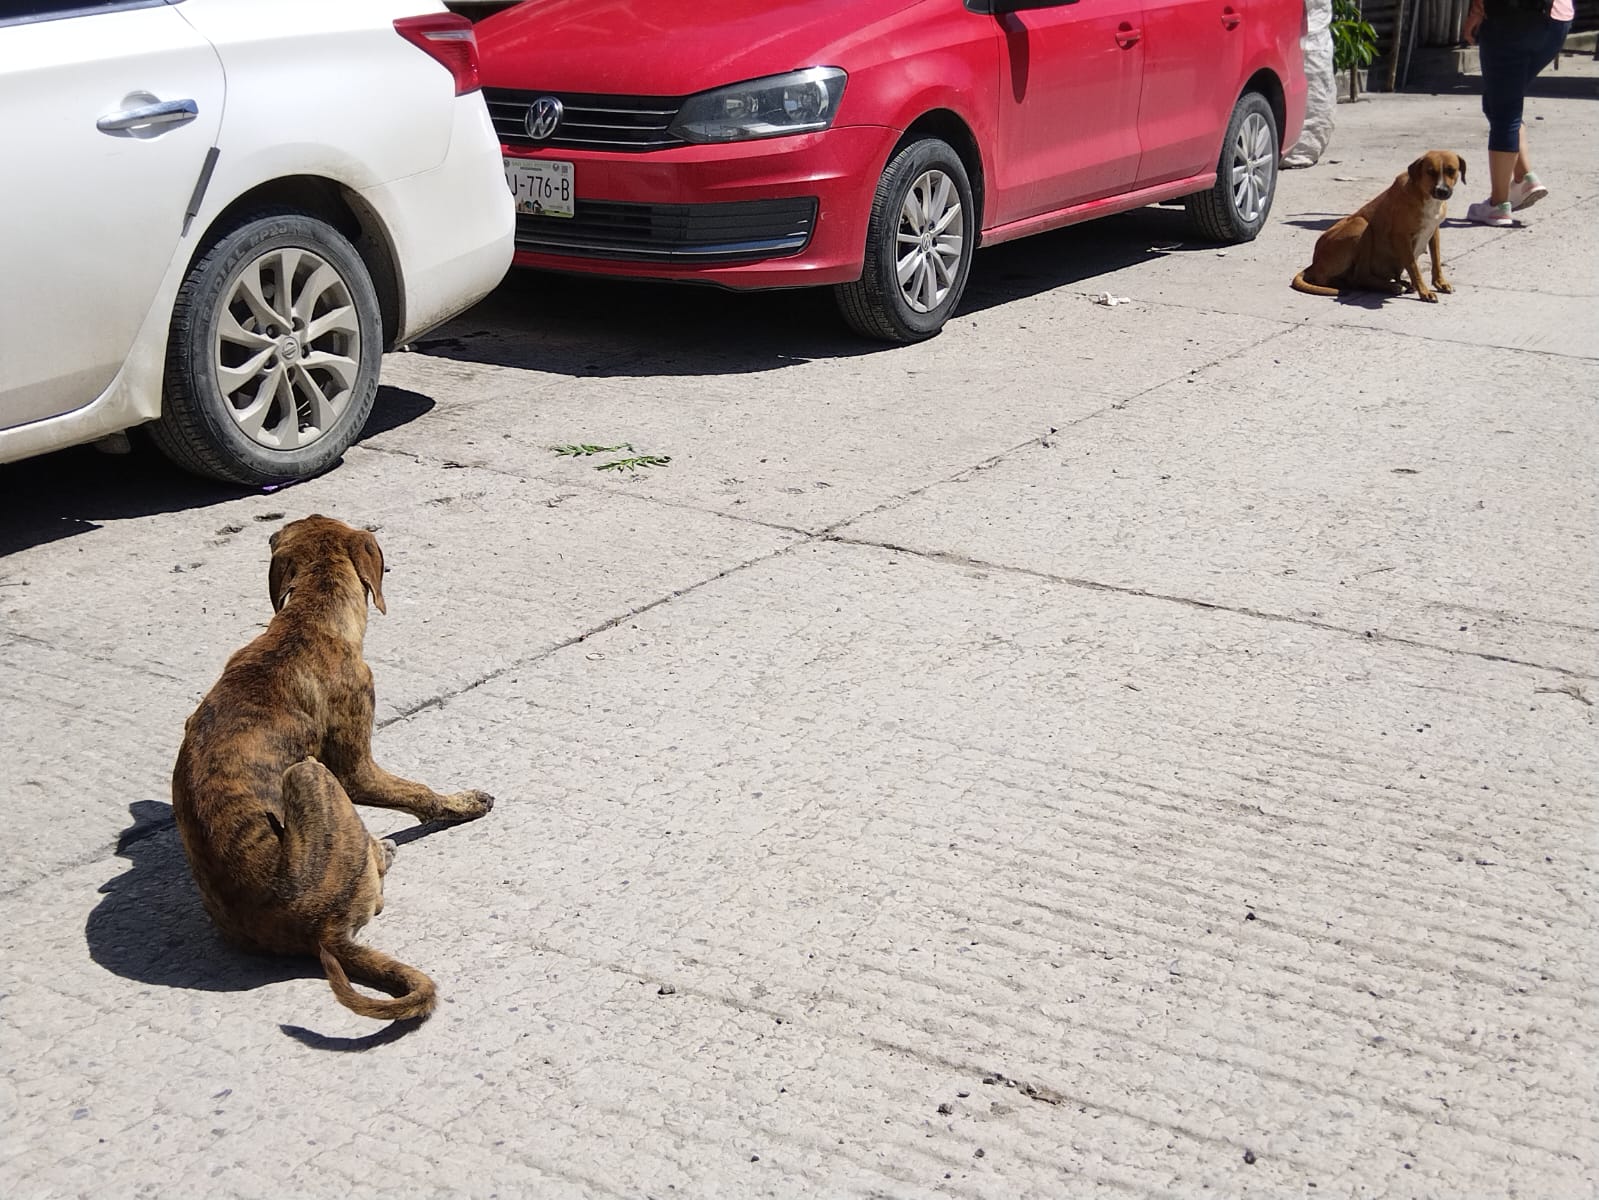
1134	750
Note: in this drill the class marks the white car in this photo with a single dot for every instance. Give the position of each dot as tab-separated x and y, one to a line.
217	214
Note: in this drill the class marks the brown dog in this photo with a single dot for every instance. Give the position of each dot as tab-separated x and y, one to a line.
272	759
1370	250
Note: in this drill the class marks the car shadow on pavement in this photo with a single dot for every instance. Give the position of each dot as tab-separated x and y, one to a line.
393	408
76	491
597	328
593	327
150	927
1030	266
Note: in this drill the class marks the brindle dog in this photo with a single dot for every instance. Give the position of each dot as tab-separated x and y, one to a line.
272	759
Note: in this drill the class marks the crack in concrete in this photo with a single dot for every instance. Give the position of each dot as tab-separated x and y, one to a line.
1307	323
443	698
423	460
1511	291
594	487
99	660
1043	440
600	487
967	562
1462	341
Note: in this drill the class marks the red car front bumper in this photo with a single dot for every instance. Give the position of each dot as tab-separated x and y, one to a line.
660	215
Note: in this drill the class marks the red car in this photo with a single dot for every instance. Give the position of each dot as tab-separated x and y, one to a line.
873	145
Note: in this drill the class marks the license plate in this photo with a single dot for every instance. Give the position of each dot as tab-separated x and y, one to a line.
542	187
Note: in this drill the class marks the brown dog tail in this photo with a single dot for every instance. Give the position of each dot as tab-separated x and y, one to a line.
1311	289
414	992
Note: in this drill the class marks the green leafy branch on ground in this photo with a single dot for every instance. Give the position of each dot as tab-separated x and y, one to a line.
633	464
585	450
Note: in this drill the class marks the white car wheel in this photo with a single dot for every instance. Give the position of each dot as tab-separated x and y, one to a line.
272	363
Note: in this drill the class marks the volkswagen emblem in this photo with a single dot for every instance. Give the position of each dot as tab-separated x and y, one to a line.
542	118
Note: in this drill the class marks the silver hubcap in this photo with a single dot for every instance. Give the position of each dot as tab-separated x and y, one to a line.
929	241
1254	161
288	348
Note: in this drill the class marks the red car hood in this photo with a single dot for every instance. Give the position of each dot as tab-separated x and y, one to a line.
670	47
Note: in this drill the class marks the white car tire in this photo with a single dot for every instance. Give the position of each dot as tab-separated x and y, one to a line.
273	355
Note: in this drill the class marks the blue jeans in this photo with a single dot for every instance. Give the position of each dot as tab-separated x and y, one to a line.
1512	50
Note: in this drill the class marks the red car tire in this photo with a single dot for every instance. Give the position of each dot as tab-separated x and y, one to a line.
919	245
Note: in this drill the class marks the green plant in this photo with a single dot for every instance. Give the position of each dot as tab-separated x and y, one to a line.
633	464
1354	40
583	450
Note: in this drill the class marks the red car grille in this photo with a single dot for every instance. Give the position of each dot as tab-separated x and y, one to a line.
588	122
738	231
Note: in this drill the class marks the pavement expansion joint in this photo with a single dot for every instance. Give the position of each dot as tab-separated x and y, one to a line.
609	623
967	562
1413	335
87	656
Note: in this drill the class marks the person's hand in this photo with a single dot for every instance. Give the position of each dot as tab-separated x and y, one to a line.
1473	21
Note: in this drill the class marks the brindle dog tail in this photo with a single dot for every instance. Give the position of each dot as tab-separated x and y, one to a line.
414	992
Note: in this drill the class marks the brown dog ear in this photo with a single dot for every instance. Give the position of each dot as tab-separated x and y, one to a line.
367	556
1462	163
1416	168
280	578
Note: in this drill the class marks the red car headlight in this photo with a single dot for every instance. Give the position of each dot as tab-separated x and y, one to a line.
778	105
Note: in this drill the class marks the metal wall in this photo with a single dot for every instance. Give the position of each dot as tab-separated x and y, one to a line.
1438	23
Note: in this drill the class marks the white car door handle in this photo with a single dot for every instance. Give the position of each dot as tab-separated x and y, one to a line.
168	112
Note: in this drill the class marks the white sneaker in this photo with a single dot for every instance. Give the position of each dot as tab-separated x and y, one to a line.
1485	213
1526	192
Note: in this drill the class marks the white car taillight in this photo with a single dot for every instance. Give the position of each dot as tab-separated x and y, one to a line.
448	38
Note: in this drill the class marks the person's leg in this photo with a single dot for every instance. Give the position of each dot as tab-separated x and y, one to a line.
1501	168
1527	190
1503	77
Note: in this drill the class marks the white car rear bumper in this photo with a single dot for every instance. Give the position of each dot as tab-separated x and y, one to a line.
452	226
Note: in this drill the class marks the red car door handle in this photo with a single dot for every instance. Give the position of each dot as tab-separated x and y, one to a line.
1126	36
1230	18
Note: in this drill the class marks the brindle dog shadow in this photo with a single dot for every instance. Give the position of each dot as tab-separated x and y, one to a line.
149	927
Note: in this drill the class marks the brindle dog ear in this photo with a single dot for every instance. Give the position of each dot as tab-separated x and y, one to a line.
280	578
367	556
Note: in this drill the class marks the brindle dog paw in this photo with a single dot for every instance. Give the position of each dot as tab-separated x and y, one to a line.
465	806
